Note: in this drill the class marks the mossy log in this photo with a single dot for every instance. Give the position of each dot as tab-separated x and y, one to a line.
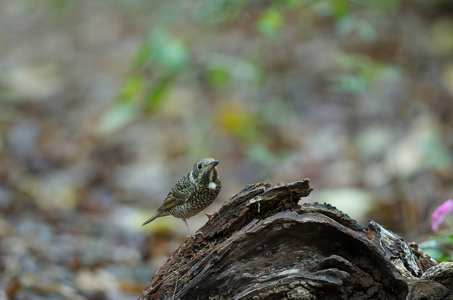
263	245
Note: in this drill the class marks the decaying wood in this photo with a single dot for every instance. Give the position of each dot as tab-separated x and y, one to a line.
263	245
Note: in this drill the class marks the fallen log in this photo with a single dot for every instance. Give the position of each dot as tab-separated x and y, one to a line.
263	245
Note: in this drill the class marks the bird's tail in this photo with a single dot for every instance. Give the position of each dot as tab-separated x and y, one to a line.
157	215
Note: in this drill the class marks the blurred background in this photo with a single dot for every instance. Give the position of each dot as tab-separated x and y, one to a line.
104	105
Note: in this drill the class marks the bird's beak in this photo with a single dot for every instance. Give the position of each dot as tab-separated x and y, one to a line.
213	164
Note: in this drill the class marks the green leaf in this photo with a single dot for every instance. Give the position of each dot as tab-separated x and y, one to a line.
165	52
339	8
218	11
117	116
270	23
162	52
218	77
434	254
157	94
261	154
431	243
350	84
141	55
438	157
221	69
361	72
436	248
133	88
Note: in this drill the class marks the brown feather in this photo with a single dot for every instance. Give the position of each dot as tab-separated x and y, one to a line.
172	201
157	215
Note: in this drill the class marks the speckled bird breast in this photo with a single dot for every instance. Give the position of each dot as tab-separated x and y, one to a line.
198	200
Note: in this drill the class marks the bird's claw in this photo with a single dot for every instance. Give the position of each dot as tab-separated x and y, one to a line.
207	215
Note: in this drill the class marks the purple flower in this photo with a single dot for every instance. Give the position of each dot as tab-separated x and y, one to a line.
440	213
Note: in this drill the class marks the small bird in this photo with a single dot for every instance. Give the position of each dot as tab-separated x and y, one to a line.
192	193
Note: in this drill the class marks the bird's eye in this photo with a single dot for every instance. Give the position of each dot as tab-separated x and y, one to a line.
199	166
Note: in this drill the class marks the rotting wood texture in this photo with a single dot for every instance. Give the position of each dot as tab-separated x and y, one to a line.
263	245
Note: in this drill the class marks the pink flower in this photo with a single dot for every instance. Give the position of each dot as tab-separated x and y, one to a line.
440	213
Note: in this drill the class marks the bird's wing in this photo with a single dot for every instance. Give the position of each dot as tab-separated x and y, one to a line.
173	199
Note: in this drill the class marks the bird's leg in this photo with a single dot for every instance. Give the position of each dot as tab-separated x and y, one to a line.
207	215
190	232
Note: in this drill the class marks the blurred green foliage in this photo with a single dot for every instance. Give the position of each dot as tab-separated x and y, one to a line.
261	154
436	154
352	94
166	54
173	55
439	247
361	72
221	70
117	116
217	11
163	58
155	67
270	23
349	25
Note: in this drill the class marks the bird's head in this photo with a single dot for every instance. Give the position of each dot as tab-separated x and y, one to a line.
205	170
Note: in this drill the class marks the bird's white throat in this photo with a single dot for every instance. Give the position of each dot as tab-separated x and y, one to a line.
212	185
191	177
211	175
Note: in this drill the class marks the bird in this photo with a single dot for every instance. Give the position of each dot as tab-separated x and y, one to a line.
195	191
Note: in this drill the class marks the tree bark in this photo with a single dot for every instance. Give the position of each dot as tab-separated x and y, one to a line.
263	245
